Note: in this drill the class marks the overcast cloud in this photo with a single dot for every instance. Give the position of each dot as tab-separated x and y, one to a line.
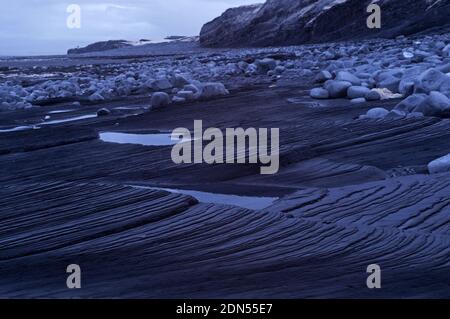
30	27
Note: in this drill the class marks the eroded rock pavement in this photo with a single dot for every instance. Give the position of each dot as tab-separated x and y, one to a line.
364	177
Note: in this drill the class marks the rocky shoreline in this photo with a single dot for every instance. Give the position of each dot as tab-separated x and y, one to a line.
364	177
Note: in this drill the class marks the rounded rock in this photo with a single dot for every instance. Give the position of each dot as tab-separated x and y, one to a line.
160	100
319	93
355	92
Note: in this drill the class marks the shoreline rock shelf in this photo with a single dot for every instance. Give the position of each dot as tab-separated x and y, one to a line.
363	173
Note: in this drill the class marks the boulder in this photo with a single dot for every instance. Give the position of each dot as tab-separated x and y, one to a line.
430	80
355	92
446	50
103	112
161	85
348	77
265	65
242	65
373	96
396	115
160	100
96	97
178	81
192	87
323	76
177	99
319	93
358	100
376	113
211	89
440	165
445	86
392	73
391	83
411	102
438	101
444	68
406	88
187	95
337	89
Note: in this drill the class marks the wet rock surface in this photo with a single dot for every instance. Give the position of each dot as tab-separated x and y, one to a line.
359	182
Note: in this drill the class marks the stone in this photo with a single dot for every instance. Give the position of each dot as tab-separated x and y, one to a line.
160	100
337	89
444	68
428	81
376	113
177	99
280	69
411	102
445	86
212	89
348	77
384	75
265	65
440	165
396	115
427	109
327	55
319	93
446	50
391	83
242	65
355	92
103	112
96	97
408	54
187	95
438	101
323	76
414	115
406	88
178	81
358	100
232	69
161	84
373	96
192	87
439	45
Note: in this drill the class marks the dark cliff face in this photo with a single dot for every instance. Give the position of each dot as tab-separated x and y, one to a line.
287	22
233	21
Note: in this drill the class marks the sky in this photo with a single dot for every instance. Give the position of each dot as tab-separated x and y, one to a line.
39	27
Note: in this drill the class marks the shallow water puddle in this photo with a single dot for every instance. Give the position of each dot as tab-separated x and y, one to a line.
225	199
38	126
18	128
155	139
128	108
70	119
60	111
